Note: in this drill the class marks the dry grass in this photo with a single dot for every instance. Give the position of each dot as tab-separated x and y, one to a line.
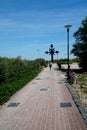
81	93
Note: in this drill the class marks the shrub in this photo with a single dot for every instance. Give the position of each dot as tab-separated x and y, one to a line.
15	73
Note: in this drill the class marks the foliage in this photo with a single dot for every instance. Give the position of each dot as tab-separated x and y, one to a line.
42	62
15	73
64	61
82	78
80	45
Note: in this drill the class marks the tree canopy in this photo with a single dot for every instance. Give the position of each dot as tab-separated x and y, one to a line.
80	45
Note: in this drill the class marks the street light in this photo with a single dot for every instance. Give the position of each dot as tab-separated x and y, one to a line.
51	52
57	54
68	27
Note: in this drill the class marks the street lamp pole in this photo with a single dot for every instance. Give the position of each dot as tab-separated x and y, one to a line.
68	27
52	52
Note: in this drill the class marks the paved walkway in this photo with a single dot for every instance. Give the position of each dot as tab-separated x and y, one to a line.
38	106
72	66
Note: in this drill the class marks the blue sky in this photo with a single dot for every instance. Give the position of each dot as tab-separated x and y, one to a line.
28	27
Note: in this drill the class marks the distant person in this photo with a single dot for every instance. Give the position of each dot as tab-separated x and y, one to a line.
50	65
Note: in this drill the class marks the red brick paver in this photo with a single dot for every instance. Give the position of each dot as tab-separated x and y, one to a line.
39	107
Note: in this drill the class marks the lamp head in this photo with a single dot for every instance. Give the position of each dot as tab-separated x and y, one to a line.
46	52
68	27
51	45
57	52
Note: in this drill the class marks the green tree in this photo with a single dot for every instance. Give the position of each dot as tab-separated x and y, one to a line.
80	45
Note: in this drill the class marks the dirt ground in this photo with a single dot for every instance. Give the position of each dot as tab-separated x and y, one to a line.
81	94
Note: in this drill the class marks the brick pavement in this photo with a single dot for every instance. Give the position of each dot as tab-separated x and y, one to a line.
39	107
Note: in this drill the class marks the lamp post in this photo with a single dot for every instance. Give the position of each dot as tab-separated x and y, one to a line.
51	52
57	54
68	27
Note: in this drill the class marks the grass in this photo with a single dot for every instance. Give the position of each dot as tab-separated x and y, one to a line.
82	78
81	93
8	89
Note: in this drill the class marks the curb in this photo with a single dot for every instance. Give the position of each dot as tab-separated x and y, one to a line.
78	104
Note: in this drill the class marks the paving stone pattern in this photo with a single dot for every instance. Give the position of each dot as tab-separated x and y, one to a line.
37	106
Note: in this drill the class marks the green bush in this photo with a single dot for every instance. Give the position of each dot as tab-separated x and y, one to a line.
64	61
15	73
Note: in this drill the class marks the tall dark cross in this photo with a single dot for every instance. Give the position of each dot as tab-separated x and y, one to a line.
51	52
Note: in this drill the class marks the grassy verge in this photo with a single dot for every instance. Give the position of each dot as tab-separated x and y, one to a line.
82	78
80	89
8	89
